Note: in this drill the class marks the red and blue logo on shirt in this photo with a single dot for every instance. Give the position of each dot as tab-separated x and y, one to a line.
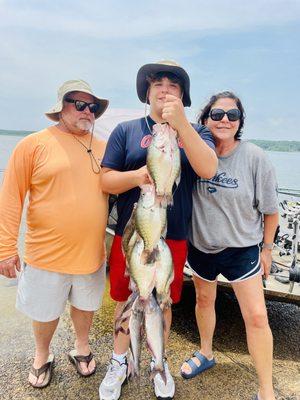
146	141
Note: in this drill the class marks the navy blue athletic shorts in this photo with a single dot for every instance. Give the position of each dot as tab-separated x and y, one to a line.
234	263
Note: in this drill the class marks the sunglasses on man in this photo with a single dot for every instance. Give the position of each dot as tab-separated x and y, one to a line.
217	114
81	105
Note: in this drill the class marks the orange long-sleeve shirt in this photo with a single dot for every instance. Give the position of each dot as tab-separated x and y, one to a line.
67	210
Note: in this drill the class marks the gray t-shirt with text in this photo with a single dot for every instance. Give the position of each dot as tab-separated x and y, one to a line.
228	209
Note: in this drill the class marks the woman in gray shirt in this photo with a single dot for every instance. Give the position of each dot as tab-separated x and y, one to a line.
232	213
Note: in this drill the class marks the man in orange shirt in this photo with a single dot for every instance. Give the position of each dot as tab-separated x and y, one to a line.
64	256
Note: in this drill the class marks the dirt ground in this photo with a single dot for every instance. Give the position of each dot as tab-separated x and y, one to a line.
233	378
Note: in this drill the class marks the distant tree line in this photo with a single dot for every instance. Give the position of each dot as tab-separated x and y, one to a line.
277	145
269	145
14	133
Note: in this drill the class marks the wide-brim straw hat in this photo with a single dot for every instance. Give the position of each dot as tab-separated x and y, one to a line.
76	85
162	66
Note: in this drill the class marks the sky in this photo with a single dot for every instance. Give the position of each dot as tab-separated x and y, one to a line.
251	48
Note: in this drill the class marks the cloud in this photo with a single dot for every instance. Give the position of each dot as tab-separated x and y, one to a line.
122	20
250	48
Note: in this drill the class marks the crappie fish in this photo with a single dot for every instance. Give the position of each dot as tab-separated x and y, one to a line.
136	321
163	160
143	275
164	274
154	327
150	220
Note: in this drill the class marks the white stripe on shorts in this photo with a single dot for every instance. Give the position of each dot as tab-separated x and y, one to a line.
248	274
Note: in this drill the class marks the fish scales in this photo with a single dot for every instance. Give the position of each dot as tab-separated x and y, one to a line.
135	328
150	221
142	274
154	327
164	274
163	160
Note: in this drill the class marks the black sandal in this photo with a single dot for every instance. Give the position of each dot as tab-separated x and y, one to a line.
45	369
77	359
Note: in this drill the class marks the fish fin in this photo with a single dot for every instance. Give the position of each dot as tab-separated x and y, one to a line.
117	327
164	232
164	301
125	312
177	180
170	200
132	286
126	272
122	330
167	200
120	321
149	346
130	367
132	371
142	331
150	256
164	201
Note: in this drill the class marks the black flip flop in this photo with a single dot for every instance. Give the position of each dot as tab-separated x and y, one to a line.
45	369
77	359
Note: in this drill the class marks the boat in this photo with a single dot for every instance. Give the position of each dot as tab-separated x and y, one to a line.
283	284
289	192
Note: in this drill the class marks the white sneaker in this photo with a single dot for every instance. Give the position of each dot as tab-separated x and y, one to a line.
110	387
163	391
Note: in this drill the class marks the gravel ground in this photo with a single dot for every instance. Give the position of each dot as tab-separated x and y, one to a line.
232	378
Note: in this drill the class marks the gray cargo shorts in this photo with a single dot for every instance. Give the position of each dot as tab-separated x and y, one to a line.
42	295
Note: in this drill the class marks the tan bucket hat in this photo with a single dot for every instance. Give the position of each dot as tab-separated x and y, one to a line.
76	85
162	66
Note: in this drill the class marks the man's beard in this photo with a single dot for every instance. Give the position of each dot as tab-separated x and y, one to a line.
84	125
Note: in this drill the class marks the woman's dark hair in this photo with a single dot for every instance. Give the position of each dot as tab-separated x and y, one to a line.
204	114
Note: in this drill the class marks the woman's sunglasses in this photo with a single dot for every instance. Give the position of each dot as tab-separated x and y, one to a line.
81	105
217	114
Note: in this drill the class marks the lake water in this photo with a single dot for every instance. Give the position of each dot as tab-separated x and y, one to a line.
287	165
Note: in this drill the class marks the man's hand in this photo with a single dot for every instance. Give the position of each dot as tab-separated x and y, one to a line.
266	261
9	266
173	112
143	177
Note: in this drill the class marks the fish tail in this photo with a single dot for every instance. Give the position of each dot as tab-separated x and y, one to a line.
177	180
122	330
126	273
132	370
169	199
125	314
150	256
166	200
